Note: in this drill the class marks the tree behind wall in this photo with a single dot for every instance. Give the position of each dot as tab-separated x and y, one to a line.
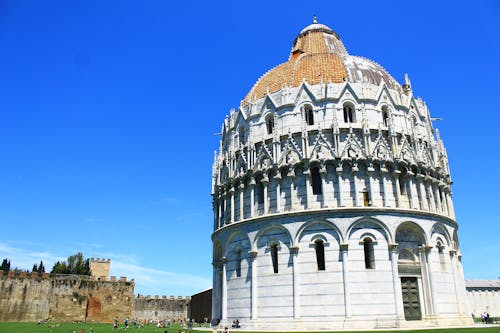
75	264
5	266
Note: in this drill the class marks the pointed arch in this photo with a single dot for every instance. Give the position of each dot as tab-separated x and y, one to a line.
322	149
381	150
353	149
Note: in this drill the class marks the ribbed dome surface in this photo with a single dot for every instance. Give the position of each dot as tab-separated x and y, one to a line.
319	56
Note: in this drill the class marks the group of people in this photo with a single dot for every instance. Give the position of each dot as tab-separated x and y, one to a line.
485	317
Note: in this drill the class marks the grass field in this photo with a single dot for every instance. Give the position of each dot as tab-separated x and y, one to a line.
106	328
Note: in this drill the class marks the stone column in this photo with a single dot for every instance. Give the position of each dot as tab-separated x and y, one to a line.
323	173
216	288
410	188
308	191
396	282
383	176
395	177
252	196
220	202
369	173
277	178
455	281
231	194
242	200
339	171
224	290
223	209
253	291
345	276
420	191
435	190
265	183
355	186
450	205
291	175
428	189
430	275
294	251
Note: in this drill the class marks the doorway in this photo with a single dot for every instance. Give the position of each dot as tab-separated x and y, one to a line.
411	300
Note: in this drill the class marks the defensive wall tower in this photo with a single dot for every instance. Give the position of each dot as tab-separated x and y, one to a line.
99	268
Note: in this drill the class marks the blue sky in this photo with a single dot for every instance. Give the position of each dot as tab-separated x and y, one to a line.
108	111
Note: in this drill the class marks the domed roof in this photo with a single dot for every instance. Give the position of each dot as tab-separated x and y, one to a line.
319	56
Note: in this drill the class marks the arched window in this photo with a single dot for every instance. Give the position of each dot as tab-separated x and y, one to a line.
349	116
385	116
316	181
243	138
274	257
309	116
270	124
320	254
369	253
238	262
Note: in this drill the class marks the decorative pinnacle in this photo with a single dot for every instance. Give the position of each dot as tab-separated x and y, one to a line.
315	19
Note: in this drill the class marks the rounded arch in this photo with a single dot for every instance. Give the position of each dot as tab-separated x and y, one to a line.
414	228
349	111
269	121
234	234
381	227
439	230
309	224
307	111
217	251
269	227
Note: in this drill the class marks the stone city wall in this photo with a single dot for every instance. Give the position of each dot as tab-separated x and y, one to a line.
161	308
30	297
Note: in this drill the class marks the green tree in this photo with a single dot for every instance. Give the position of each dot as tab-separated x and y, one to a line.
75	264
35	268
5	266
41	268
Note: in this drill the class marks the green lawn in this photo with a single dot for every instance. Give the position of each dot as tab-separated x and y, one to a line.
106	328
80	328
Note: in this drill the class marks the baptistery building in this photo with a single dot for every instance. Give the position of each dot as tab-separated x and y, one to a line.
332	200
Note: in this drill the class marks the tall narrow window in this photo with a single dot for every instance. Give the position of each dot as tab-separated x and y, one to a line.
366	198
270	124
274	257
320	254
260	192
349	113
402	184
385	116
316	181
308	113
369	253
441	256
243	138
238	263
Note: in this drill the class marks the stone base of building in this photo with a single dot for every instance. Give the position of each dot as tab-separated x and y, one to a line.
348	324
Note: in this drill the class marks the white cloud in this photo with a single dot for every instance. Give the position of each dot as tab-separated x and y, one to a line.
25	258
154	281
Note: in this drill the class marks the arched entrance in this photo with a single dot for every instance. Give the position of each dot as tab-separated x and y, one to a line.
410	240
